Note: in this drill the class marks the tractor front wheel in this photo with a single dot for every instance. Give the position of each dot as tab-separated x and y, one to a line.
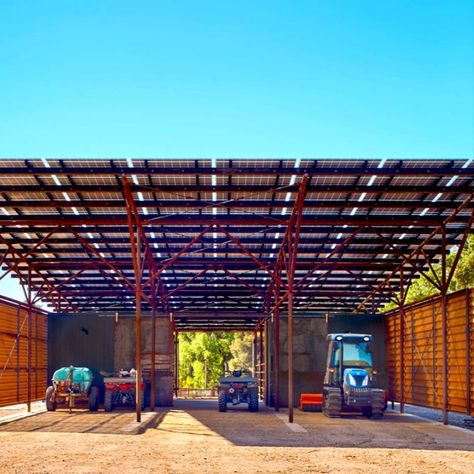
222	401
94	399
49	398
108	406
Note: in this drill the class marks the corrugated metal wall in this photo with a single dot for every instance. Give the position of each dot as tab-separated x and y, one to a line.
14	353
422	353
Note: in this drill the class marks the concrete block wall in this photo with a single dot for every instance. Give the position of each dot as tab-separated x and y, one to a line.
100	343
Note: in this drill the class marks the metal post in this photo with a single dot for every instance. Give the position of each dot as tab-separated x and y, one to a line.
153	354
444	317
276	328
176	363
254	354
138	333
468	355
29	341
402	342
260	362
290	355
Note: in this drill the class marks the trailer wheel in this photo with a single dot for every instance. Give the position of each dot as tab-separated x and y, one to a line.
94	399
108	406
222	401
253	401
49	398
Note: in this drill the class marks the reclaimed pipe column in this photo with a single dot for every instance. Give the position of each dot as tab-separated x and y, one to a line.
468	355
138	331
153	356
266	365
176	363
444	315
29	341
290	354
260	361
153	345
402	343
277	358
254	354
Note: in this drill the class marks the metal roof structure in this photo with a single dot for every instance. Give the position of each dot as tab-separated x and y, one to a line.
226	236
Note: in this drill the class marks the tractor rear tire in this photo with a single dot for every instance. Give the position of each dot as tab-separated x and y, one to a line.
253	401
108	405
49	398
94	399
332	403
222	401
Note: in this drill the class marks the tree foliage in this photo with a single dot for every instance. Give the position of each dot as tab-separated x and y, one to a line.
463	276
199	351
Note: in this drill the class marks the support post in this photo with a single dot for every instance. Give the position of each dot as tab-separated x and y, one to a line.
254	354
138	333
260	360
176	363
402	341
153	354
276	329
290	354
444	324
29	328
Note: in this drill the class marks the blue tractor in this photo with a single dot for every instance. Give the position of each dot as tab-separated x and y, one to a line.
349	383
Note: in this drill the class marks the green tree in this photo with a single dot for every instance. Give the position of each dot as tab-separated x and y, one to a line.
241	350
202	357
463	276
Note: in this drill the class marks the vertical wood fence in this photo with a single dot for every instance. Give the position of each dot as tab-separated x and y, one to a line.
14	352
420	356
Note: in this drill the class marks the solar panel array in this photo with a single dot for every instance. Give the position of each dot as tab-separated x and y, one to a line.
391	206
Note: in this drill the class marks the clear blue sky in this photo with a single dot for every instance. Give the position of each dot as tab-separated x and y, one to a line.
111	78
250	78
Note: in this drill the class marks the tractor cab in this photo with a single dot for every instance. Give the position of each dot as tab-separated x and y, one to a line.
349	383
348	351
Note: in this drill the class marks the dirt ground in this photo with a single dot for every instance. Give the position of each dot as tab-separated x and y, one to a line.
195	437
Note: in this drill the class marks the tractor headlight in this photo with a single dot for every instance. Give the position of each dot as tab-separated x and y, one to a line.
351	380
231	390
365	382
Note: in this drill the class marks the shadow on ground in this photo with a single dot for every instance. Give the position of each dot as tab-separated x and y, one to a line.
242	428
84	421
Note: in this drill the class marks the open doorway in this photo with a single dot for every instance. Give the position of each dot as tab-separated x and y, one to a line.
204	357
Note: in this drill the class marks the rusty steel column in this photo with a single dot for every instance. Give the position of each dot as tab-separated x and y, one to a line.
444	325
176	363
29	328
402	342
266	364
138	333
468	354
254	354
290	355
153	356
260	362
276	329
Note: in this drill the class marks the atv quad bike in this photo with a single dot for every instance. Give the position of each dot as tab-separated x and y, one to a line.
238	388
349	383
71	384
121	390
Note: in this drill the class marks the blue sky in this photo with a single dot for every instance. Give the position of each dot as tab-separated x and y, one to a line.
236	79
249	79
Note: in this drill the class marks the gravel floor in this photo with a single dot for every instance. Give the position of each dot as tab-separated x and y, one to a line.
455	419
